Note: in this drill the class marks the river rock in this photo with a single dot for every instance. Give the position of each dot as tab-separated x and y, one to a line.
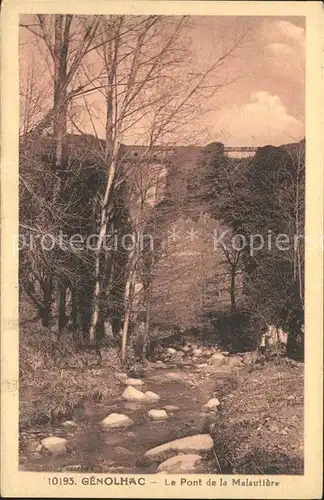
55	445
197	352
117	420
170	408
181	464
234	361
134	381
133	394
198	443
186	348
249	358
130	434
122	451
69	423
170	350
133	405
121	376
217	359
33	448
212	404
151	396
159	363
158	414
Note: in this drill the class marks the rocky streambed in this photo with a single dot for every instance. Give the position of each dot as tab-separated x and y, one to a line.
159	423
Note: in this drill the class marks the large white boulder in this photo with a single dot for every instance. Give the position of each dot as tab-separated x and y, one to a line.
133	394
170	350
181	464
55	445
198	443
158	414
116	420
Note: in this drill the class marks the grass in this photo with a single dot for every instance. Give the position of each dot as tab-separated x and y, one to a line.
54	379
261	426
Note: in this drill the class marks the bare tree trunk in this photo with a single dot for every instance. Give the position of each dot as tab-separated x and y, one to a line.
96	297
60	53
233	288
61	44
47	287
148	298
129	295
111	155
101	237
125	327
300	278
74	311
62	309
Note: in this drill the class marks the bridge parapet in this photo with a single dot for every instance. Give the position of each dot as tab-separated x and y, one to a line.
240	151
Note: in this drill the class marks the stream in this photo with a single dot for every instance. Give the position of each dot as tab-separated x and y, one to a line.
95	449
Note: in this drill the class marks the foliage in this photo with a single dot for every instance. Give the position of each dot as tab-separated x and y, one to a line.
260	201
236	331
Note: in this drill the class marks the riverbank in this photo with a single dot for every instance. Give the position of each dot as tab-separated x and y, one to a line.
261	429
55	380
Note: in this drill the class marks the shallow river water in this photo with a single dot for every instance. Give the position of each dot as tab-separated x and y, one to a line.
93	449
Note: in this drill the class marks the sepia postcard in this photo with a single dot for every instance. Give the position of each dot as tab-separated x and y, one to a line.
162	249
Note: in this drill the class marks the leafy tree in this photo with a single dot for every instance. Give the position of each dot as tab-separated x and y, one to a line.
261	202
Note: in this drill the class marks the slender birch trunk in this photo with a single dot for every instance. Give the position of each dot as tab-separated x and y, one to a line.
112	147
100	241
129	296
128	310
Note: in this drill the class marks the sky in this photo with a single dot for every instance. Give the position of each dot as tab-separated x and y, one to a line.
263	101
266	104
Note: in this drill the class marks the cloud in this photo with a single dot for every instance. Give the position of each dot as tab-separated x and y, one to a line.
263	120
290	31
284	32
281	49
284	44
